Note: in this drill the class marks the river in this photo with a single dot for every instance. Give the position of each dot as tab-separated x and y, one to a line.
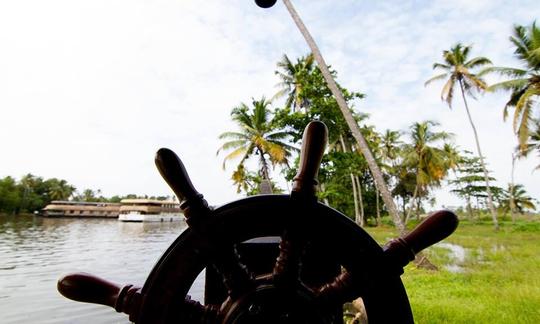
36	251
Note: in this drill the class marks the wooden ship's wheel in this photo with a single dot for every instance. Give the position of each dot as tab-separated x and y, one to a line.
323	259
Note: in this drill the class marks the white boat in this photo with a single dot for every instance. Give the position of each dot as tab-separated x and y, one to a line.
149	210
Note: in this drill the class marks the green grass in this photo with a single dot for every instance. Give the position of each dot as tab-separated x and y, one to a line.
499	280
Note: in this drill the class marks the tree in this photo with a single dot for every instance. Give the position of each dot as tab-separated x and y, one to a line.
470	182
353	125
10	198
525	85
457	69
293	79
258	136
428	161
516	198
59	189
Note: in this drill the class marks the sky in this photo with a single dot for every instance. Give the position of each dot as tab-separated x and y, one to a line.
90	90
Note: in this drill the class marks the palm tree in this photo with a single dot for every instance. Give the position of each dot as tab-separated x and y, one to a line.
525	85
516	198
59	189
293	78
257	136
390	146
428	160
457	70
349	118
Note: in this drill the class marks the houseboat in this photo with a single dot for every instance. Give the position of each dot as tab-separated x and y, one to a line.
149	210
61	208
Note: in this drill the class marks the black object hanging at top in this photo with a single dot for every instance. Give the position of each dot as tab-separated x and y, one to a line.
265	3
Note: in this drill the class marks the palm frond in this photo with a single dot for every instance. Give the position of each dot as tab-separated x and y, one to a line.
441	66
476	62
447	93
504	71
508	85
232	135
234	155
436	78
230	145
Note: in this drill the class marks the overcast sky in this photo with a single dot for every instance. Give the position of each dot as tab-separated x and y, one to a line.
89	90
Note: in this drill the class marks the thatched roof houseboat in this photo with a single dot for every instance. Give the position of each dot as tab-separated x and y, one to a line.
61	208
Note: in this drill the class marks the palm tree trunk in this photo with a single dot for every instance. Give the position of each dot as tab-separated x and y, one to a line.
411	204
469	208
360	199
375	170
418	203
512	201
359	220
490	198
378	207
265	187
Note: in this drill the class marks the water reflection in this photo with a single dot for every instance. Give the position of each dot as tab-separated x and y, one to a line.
36	251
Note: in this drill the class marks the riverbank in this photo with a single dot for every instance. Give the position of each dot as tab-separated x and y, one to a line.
484	277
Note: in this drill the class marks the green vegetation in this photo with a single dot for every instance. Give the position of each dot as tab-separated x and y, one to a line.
31	193
525	85
496	282
259	136
412	162
458	70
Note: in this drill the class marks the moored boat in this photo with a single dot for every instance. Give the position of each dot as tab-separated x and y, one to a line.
63	208
149	210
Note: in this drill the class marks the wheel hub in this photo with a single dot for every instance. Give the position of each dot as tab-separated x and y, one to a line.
269	303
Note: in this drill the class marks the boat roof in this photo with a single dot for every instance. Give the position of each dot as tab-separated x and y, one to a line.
147	201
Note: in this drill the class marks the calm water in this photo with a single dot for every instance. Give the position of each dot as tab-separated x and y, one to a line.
36	251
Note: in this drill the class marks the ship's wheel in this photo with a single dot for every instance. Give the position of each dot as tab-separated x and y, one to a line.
323	259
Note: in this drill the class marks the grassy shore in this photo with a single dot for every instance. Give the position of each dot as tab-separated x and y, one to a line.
496	280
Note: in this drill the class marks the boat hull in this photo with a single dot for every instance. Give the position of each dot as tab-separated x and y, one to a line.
150	218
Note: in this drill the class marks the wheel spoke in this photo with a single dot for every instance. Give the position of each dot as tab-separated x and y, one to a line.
287	267
236	277
192	312
344	288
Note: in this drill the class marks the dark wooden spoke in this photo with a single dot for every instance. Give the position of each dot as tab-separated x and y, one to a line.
343	289
193	312
287	268
293	240
235	275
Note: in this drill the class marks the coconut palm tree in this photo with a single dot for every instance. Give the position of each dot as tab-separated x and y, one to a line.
349	118
293	77
516	198
525	85
257	136
457	69
426	158
59	189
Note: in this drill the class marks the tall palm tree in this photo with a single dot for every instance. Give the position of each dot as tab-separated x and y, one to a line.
257	136
353	125
293	76
457	69
425	157
525	85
